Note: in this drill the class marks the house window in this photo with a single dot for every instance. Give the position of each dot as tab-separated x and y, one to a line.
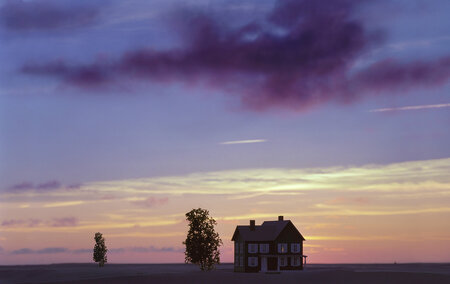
236	260
236	247
253	261
295	248
283	261
282	248
263	248
241	247
252	248
295	261
241	261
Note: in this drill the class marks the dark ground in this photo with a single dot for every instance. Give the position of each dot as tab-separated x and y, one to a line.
184	273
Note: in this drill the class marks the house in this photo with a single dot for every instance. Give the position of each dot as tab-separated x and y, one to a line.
272	246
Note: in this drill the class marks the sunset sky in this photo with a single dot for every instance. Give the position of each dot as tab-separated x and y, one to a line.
121	116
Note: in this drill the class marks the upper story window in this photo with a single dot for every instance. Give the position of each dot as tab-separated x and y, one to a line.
295	248
263	248
253	261
282	248
236	247
252	248
241	247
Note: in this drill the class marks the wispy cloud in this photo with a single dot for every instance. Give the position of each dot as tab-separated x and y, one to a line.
64	204
410	108
362	202
33	222
400	177
244	141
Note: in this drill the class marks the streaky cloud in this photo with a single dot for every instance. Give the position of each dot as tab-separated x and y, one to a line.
419	107
243	141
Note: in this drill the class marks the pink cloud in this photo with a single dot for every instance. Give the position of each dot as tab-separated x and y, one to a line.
151	202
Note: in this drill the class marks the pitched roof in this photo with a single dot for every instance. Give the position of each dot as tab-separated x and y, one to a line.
267	231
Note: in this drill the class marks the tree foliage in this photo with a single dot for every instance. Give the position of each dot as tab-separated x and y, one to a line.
202	241
100	250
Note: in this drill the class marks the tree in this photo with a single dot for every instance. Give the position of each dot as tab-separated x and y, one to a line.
202	241
100	250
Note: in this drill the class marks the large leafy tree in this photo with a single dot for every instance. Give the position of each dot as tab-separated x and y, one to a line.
100	250
202	241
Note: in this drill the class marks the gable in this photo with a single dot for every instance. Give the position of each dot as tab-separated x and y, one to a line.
268	231
290	234
236	235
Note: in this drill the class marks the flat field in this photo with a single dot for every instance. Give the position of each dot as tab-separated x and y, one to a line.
185	273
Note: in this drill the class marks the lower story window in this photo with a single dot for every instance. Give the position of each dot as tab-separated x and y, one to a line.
241	261
283	261
252	261
296	261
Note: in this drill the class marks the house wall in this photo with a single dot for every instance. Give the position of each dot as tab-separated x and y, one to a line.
289	236
239	254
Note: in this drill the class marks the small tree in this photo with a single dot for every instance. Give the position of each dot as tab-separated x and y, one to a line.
202	241
100	250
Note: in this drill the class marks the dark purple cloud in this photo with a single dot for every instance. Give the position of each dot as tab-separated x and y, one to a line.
301	56
21	15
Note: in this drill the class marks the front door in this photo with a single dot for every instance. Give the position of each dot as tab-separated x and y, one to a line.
272	263
263	264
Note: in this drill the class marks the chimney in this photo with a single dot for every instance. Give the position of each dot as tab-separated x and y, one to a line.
252	225
280	218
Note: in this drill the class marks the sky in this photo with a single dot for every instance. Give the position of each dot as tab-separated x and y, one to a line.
121	116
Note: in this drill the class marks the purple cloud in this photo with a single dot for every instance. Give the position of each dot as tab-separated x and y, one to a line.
64	222
151	202
23	251
82	251
22	186
42	187
20	15
22	222
49	185
50	250
301	56
155	249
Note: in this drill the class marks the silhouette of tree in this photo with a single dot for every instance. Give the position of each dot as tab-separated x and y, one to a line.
100	250
202	241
